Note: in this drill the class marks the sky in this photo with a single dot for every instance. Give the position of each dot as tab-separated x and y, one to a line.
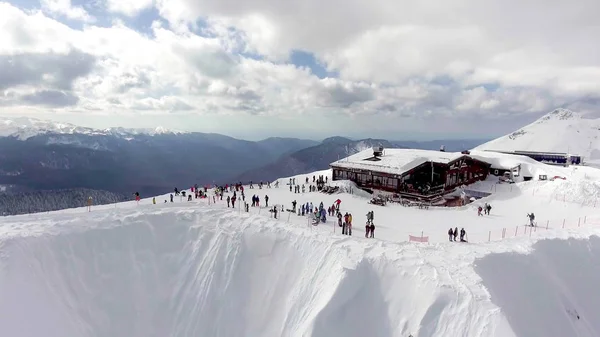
393	69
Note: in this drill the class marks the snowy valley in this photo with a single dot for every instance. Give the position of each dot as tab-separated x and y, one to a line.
201	268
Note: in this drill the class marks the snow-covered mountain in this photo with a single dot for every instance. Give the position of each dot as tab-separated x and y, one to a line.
561	130
24	128
202	268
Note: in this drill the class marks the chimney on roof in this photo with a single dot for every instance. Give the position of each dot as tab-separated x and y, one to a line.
378	151
443	148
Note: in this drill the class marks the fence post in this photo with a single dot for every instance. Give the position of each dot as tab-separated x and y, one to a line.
585	219
490	236
421	236
547	223
579	222
564	223
530	230
516	230
289	214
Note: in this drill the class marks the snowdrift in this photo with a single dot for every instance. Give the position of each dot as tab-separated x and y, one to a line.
552	291
208	272
561	130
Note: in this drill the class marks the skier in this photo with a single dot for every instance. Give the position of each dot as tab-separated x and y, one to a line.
531	218
228	201
171	197
463	233
455	233
137	196
266	201
488	209
450	234
154	201
176	191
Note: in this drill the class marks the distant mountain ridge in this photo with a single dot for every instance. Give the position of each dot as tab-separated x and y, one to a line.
24	128
561	130
43	155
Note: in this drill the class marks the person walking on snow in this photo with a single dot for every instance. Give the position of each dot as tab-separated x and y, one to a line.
463	233
450	234
488	209
479	209
266	201
531	218
455	234
228	201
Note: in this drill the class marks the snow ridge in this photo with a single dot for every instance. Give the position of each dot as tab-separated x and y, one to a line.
210	272
561	130
24	128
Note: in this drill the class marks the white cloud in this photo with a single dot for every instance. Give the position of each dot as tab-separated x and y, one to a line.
65	8
402	65
128	7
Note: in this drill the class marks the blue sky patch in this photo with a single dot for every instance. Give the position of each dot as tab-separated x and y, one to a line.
304	59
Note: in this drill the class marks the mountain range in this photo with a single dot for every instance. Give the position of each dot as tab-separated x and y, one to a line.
42	156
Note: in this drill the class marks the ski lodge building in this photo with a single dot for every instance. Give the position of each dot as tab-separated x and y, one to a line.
421	174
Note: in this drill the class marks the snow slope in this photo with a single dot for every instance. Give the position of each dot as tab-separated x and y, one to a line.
561	130
202	269
24	128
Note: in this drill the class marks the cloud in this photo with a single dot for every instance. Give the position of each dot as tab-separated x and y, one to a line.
50	98
66	9
44	69
128	7
400	66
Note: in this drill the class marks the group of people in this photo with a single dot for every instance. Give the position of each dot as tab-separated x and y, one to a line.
319	214
485	209
453	233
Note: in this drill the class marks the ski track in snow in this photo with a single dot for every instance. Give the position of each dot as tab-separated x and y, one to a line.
194	269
